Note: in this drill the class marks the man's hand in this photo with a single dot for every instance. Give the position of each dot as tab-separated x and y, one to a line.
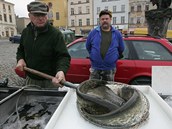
20	65
58	78
20	68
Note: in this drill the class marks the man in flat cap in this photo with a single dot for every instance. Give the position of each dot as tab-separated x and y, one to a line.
42	48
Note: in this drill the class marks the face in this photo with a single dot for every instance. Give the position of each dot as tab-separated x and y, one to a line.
39	20
105	22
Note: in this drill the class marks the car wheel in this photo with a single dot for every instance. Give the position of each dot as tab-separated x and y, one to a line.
141	81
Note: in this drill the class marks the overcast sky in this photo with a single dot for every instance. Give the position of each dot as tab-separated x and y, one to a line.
20	7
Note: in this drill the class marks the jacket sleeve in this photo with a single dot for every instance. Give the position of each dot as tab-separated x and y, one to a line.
62	56
88	42
121	44
20	50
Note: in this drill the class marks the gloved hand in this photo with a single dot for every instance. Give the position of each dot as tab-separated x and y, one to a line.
20	73
20	68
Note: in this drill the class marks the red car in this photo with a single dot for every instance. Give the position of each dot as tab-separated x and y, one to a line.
140	54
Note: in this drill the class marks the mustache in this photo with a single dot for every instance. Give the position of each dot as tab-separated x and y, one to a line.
105	23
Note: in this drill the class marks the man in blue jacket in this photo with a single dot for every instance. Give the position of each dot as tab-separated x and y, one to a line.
105	45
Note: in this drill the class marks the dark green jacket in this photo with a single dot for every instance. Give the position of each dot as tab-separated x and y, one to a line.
44	50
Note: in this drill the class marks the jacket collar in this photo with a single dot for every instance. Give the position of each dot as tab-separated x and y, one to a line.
38	29
99	29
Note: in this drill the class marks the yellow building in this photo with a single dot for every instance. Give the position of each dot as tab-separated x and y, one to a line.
57	12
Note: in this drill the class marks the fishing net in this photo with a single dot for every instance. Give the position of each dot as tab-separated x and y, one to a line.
111	104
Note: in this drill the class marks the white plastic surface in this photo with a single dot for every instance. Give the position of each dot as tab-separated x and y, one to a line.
162	79
67	116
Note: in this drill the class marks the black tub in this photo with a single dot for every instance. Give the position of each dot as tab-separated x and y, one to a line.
6	91
13	100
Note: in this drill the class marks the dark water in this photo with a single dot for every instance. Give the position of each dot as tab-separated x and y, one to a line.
33	115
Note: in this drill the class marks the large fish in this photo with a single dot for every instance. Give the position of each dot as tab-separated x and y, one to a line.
112	105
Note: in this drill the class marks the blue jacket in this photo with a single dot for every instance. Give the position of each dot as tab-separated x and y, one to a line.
93	46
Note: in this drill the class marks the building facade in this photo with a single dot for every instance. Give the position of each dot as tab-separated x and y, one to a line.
57	12
83	15
80	16
21	23
7	19
136	13
119	9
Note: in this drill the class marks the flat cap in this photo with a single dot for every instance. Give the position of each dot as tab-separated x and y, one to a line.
37	7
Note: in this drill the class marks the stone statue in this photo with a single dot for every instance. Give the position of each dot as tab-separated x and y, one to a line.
158	19
161	4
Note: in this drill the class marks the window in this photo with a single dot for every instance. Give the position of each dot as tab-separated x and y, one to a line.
139	8
132	8
78	50
12	33
9	8
146	7
57	16
106	7
5	17
138	20
87	9
122	20
0	17
72	22
72	11
147	50
88	21
122	8
114	8
114	20
4	9
98	10
10	17
7	33
80	22
132	20
79	10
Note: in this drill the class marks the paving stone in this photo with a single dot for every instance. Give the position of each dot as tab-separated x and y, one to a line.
8	63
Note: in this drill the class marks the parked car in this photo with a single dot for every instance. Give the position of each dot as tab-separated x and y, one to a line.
140	54
69	36
170	40
15	38
77	36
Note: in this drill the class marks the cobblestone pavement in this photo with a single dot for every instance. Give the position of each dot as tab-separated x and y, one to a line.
8	63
